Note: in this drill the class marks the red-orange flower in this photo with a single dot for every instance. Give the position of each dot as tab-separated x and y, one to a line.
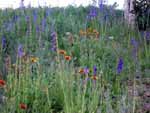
23	106
68	58
63	52
2	82
94	77
81	71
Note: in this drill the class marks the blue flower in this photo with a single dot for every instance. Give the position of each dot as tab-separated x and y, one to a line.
9	26
35	16
53	41
48	11
86	70
92	14
94	70
27	19
3	42
101	4
43	24
148	36
15	18
134	43
37	29
120	66
20	51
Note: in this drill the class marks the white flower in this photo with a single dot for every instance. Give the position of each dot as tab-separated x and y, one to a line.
111	37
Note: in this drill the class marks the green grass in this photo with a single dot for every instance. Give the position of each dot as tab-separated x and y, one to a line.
54	85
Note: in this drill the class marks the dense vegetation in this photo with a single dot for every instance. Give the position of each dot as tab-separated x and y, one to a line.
142	13
71	60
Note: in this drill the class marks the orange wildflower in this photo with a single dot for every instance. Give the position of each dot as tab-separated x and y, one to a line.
94	77
2	82
68	58
82	32
95	32
63	52
81	71
23	106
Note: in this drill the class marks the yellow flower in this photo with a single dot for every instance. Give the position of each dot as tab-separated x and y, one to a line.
34	59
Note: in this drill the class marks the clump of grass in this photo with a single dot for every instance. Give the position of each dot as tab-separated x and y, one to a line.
84	71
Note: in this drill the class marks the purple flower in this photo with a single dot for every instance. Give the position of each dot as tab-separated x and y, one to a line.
28	25
92	13
101	4
146	107
9	26
134	43
35	16
48	10
86	70
43	24
28	33
147	36
120	65
37	29
22	4
94	70
105	17
84	82
53	41
3	42
20	51
27	19
15	18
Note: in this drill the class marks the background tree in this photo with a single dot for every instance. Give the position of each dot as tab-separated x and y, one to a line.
129	16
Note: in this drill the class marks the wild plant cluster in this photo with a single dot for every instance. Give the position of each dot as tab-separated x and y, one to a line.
72	60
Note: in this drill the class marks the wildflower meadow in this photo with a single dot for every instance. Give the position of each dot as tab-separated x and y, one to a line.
72	60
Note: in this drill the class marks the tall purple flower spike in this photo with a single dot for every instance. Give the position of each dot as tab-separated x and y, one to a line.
3	42
94	70
53	41
35	16
134	43
43	24
92	13
120	66
86	70
20	51
37	29
148	36
101	5
27	19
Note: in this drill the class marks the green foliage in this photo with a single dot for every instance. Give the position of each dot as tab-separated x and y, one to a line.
54	85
